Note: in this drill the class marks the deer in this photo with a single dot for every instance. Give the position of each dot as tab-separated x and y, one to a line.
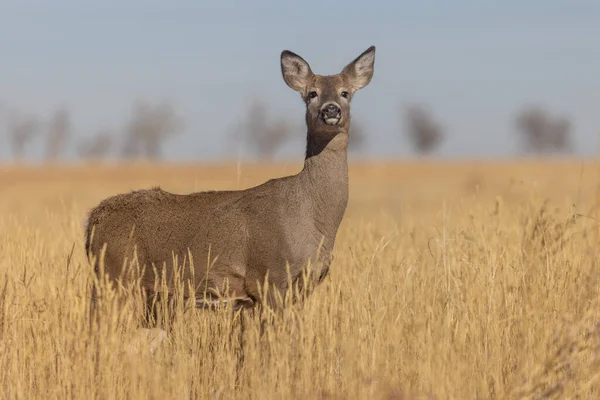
240	239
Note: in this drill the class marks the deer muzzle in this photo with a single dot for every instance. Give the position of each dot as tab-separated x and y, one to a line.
331	113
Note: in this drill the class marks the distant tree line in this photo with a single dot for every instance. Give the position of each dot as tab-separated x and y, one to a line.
542	132
539	131
151	125
144	135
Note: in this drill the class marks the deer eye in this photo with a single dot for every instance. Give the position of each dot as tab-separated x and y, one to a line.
312	95
345	94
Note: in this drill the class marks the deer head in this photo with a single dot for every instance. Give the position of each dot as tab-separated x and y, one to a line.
328	97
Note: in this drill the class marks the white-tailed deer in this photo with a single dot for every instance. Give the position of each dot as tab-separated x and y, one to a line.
238	239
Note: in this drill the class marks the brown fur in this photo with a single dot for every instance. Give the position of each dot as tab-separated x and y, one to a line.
250	234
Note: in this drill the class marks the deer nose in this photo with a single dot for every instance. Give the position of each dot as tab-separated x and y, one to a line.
331	110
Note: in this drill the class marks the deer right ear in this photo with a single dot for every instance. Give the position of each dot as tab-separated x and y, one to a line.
360	71
296	72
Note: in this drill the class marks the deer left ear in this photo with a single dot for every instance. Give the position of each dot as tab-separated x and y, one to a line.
296	72
360	71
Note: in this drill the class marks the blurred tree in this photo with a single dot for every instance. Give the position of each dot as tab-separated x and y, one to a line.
542	133
97	147
424	133
149	127
58	134
22	129
357	138
259	134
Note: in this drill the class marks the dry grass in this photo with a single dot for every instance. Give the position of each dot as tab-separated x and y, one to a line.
457	281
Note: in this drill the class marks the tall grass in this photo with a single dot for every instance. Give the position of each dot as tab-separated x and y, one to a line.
448	282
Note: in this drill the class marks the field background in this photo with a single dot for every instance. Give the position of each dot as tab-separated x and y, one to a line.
457	280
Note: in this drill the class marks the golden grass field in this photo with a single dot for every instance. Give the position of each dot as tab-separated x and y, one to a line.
451	280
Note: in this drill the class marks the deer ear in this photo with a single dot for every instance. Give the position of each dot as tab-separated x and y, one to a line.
360	71
296	72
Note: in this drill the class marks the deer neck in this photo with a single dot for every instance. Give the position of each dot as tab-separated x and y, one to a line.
324	178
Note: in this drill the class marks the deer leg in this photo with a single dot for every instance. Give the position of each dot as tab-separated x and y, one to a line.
155	326
158	312
240	350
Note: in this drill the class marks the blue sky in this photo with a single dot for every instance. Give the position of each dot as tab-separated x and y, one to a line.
474	62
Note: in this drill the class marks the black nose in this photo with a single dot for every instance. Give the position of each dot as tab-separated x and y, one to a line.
331	110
